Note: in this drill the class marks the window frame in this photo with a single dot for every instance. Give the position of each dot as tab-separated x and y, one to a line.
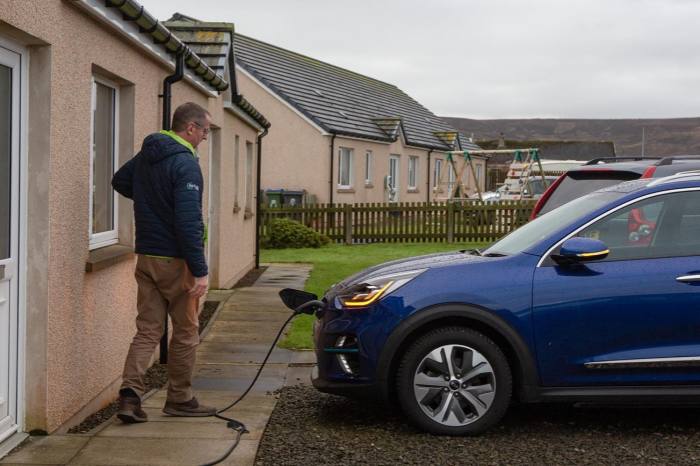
369	167
437	172
350	152
249	183
236	171
110	237
412	171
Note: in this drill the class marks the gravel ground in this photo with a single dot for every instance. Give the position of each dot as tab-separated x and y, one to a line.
308	427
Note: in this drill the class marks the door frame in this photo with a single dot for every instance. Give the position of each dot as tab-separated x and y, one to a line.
20	228
395	180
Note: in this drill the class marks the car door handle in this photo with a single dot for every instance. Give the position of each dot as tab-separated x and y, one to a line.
688	278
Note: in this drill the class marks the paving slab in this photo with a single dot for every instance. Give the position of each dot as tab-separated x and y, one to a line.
123	451
298	375
54	449
220	398
215	357
243	315
263	385
303	357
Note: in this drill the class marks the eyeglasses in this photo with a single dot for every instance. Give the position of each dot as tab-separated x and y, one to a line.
204	130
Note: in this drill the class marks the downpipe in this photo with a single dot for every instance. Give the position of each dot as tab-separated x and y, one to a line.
167	106
300	302
258	203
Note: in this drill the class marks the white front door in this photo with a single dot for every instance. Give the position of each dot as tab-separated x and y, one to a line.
10	79
393	182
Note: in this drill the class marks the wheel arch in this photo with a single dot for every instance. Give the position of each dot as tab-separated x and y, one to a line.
518	354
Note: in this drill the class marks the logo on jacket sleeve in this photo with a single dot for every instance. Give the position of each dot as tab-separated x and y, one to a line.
192	187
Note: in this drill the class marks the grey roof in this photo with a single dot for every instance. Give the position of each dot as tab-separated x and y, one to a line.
341	101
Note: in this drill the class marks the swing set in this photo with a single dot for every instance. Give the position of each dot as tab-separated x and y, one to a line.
516	181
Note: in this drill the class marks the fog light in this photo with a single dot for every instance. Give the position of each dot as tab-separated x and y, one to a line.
346	352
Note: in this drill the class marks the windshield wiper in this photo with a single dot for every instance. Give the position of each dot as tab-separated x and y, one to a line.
473	252
495	254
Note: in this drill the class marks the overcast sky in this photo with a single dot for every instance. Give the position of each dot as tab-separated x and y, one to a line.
493	58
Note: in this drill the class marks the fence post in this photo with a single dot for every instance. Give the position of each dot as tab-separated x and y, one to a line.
450	222
347	223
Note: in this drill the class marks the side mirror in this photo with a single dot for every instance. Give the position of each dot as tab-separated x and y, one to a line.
295	298
576	250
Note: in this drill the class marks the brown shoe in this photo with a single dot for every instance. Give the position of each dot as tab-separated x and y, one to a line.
190	408
130	411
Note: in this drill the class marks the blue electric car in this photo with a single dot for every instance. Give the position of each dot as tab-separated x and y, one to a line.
596	301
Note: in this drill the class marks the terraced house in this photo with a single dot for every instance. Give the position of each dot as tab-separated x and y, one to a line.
341	136
80	87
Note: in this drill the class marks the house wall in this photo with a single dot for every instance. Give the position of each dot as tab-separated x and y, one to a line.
296	155
82	323
233	241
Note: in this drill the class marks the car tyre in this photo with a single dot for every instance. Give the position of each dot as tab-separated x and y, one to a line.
435	364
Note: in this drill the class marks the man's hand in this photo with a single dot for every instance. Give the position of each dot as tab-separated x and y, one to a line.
201	285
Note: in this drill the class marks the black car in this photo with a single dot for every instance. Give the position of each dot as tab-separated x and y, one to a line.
601	173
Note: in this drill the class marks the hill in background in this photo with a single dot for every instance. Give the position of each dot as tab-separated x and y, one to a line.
672	136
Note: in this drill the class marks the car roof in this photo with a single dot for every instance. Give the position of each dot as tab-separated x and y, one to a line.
691	177
634	166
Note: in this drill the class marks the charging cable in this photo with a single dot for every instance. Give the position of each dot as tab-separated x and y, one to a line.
238	426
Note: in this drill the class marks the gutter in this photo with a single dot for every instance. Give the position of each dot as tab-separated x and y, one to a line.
132	11
258	197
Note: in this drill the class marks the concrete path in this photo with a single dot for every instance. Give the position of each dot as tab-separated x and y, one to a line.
231	349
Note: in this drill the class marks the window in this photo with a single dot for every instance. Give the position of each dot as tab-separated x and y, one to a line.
392	180
413	172
450	178
369	163
103	163
478	176
437	171
344	167
249	177
236	172
662	226
6	152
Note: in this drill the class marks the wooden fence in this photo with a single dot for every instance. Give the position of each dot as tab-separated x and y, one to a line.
408	222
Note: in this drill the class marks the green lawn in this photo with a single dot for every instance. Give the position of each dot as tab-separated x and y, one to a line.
333	263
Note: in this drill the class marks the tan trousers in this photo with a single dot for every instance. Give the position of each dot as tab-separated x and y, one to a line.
162	291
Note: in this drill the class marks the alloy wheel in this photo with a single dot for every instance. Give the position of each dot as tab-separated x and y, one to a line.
454	385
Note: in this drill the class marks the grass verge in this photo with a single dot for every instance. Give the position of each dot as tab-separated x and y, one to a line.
333	263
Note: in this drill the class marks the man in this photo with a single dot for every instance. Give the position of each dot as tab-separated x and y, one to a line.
165	181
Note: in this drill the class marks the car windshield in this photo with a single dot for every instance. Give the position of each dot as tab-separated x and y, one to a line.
538	229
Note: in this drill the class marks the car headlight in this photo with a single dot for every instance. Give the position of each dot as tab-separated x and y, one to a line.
371	290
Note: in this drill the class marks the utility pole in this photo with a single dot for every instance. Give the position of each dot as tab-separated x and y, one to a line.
643	137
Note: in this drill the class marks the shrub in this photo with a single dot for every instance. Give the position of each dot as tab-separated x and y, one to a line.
286	233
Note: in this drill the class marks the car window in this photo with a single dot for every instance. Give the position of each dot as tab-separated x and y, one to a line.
663	226
542	227
577	184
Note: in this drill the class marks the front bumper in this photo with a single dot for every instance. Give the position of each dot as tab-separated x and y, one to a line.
352	389
347	345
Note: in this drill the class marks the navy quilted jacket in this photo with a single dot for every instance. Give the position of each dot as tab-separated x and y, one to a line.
165	182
